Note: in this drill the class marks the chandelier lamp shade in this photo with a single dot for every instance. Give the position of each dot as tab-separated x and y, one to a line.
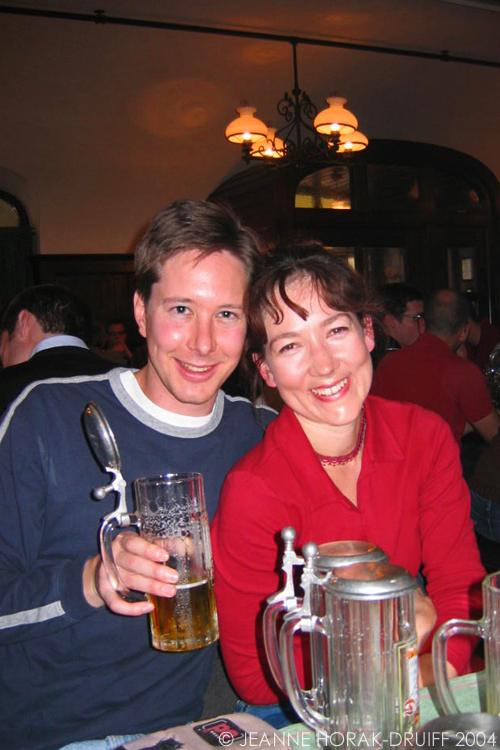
307	135
246	128
354	142
335	119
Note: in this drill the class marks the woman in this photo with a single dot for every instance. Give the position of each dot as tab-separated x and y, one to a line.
335	464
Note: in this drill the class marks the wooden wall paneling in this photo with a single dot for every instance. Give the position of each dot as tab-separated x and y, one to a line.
105	282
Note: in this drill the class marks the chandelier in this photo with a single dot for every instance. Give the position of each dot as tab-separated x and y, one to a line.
306	136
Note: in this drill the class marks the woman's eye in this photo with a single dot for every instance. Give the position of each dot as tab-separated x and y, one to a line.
338	330
227	314
286	348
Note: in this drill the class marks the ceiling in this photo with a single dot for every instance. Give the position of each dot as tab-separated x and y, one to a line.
131	115
461	27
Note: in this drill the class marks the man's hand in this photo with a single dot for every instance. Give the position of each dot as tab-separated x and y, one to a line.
141	567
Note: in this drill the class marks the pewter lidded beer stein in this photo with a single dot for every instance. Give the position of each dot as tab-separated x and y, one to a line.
317	567
365	663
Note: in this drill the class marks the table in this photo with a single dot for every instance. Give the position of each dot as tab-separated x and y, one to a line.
468	691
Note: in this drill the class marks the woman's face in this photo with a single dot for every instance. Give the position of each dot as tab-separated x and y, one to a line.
322	365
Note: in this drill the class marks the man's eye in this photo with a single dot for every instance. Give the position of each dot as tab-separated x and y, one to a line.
180	309
338	330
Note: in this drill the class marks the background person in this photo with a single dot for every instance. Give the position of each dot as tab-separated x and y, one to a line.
403	313
484	485
402	319
429	373
482	338
116	342
45	332
74	665
336	464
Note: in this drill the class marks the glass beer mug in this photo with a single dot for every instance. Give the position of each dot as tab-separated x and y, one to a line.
365	659
487	628
318	564
171	513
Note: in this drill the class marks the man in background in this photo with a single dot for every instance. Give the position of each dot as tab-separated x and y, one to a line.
428	372
44	334
403	314
116	343
402	319
481	340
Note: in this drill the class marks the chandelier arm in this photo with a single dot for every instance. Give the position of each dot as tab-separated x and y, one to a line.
296	95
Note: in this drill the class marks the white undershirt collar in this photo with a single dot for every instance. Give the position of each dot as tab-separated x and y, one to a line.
132	387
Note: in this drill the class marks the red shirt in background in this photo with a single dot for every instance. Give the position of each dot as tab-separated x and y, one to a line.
490	337
427	373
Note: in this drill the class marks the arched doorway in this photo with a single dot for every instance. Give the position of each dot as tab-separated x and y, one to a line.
420	213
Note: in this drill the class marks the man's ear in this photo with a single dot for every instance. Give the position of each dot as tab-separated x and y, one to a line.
462	336
140	313
264	370
369	332
24	325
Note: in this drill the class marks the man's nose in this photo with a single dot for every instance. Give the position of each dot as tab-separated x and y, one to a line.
202	338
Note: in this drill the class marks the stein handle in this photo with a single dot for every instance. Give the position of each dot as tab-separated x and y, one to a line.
293	624
110	524
439	652
271	645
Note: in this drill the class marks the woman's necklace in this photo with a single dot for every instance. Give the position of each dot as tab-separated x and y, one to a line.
337	460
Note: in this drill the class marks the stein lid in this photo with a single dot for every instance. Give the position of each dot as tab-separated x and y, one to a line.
371	580
349	552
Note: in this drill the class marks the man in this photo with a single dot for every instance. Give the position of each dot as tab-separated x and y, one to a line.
116	345
403	314
402	319
43	333
429	373
74	666
481	340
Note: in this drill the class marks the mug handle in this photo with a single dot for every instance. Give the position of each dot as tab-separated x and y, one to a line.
439	648
110	524
298	697
270	634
